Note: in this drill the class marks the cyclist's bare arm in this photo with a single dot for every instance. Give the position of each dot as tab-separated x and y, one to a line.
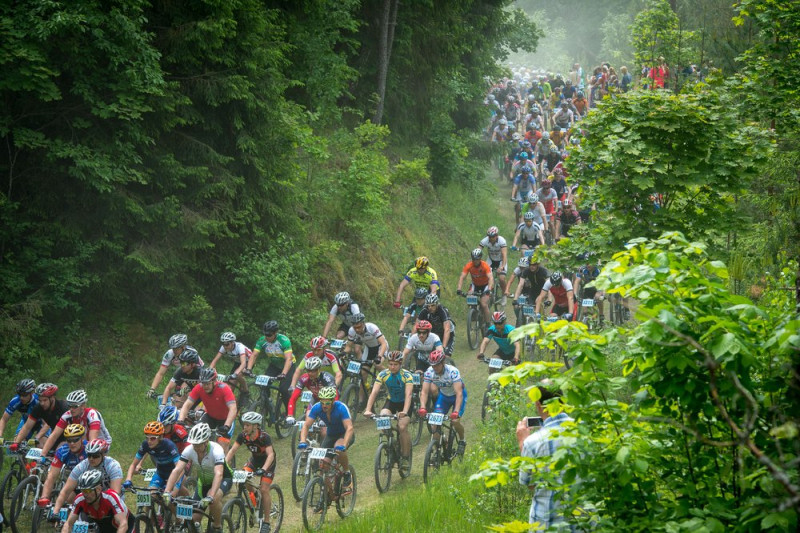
232	452
328	325
372	396
461	280
162	370
446	334
402	286
177	472
213	363
167	391
187	405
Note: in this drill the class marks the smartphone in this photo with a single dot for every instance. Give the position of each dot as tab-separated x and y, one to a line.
534	421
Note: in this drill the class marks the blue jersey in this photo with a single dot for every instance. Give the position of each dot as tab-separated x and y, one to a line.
16	405
501	338
66	459
164	455
525	184
335	423
588	275
395	383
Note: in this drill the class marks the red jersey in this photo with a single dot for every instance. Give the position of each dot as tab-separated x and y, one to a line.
480	273
91	419
216	403
305	382
179	435
110	505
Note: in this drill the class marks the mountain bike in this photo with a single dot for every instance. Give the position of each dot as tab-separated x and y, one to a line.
619	314
417	422
301	466
245	509
442	446
495	365
301	408
388	455
589	314
153	515
191	517
42	521
29	490
326	487
475	321
17	471
526	315
272	409
357	385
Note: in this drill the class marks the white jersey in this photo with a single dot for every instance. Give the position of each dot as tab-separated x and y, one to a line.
110	468
236	351
529	233
495	249
369	338
214	456
416	345
444	381
170	358
347	314
567	284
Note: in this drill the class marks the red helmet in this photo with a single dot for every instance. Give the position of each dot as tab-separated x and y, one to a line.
424	325
546	184
436	357
492	232
318	342
498	317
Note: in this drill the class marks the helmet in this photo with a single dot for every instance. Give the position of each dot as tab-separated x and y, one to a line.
565	102
251	417
91	479
424	325
318	342
26	386
566	202
76	397
498	317
227	337
575	140
358	318
523	155
580	94
178	340
527	169
97	446
271	326
555	278
510	97
546	136
420	293
503	122
421	262
546	184
208	375
74	430
569	82
516	137
492	232
477	253
529	215
189	355
199	434
327	393
432	299
313	363
46	389
531	98
533	197
342	298
154	428
526	143
436	356
523	262
535	111
168	415
395	355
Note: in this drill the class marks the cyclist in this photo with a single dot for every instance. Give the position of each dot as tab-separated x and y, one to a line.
563	295
67	457
482	281
531	281
78	413
586	275
367	335
399	385
262	459
413	310
524	184
314	379
529	233
327	357
566	217
558	183
533	205
172	430
501	132
423	342
345	306
188	374
104	507
564	117
278	349
24	402
48	412
421	275
543	149
214	472
549	198
177	344
239	355
441	323
498	255
96	460
163	452
219	403
499	332
445	380
341	433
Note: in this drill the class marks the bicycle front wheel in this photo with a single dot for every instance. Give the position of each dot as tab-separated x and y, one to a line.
24	498
281	429
234	509
473	327
315	504
351	400
10	482
276	510
299	475
433	460
143	524
415	429
346	500
383	467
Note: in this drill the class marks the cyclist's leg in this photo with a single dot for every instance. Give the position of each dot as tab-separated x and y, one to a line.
391	407
215	509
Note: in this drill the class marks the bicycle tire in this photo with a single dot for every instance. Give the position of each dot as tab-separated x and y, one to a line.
25	496
383	467
235	510
404	472
39	517
281	412
10	482
351	400
346	509
227	525
452	450
299	480
485	404
417	424
315	504
276	509
496	296
472	328
144	524
433	460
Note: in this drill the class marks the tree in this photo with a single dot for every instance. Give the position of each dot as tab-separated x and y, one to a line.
657	32
388	23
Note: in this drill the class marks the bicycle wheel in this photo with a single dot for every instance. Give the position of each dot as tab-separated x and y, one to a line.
404	472
383	467
10	482
227	525
415	429
346	501
235	509
38	521
452	448
473	317
299	480
281	429
143	524
276	510
315	504
351	400
24	497
485	404
496	296
433	460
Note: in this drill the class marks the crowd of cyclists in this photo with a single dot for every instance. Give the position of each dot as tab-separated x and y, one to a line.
535	118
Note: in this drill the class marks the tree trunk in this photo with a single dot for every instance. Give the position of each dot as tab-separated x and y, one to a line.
388	23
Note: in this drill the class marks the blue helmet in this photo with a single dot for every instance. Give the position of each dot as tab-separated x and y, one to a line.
168	415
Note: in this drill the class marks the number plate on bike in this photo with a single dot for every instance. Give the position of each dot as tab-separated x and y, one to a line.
527	253
143	499
80	527
184	512
435	419
415	379
33	453
527	310
262	380
495	362
63	514
383	422
222	378
472	299
337	344
522	300
149	473
318	453
587	302
239	476
353	367
552	318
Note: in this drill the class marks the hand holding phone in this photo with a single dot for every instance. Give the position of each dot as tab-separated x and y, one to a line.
533	421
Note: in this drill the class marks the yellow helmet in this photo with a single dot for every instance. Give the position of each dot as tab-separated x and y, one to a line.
74	430
421	262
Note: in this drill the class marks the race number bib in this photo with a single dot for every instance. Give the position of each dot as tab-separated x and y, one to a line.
33	453
143	498
306	397
383	422
263	380
149	473
495	362
435	419
239	476
472	299
353	367
527	253
184	512
337	344
80	527
222	378
527	310
318	453
415	379
552	318
587	302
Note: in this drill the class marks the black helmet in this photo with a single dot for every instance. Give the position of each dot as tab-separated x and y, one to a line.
26	386
189	355
271	326
555	278
420	293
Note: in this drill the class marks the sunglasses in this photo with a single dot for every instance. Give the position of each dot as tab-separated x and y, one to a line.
326	402
74	405
87	492
94	455
73	440
185	363
150	437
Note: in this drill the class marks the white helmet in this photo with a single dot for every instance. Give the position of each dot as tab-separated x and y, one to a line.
227	337
341	298
199	434
76	397
178	340
251	417
313	363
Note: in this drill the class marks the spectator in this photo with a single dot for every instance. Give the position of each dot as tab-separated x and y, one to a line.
625	81
546	506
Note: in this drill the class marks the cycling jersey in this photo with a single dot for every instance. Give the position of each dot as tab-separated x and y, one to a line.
335	421
328	359
568	216
191	378
422	280
548	200
216	404
257	445
64	458
525	185
325	379
431	342
535	279
236	351
587	275
275	350
529	234
479	273
52	416
109	467
179	436
495	248
502	134
444	381
559	293
437	319
563	118
169	358
347	314
413	310
501	338
395	383
214	456
91	419
164	455
110	505
560	186
16	405
368	338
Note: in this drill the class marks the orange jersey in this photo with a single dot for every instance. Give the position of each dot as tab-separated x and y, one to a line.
480	273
